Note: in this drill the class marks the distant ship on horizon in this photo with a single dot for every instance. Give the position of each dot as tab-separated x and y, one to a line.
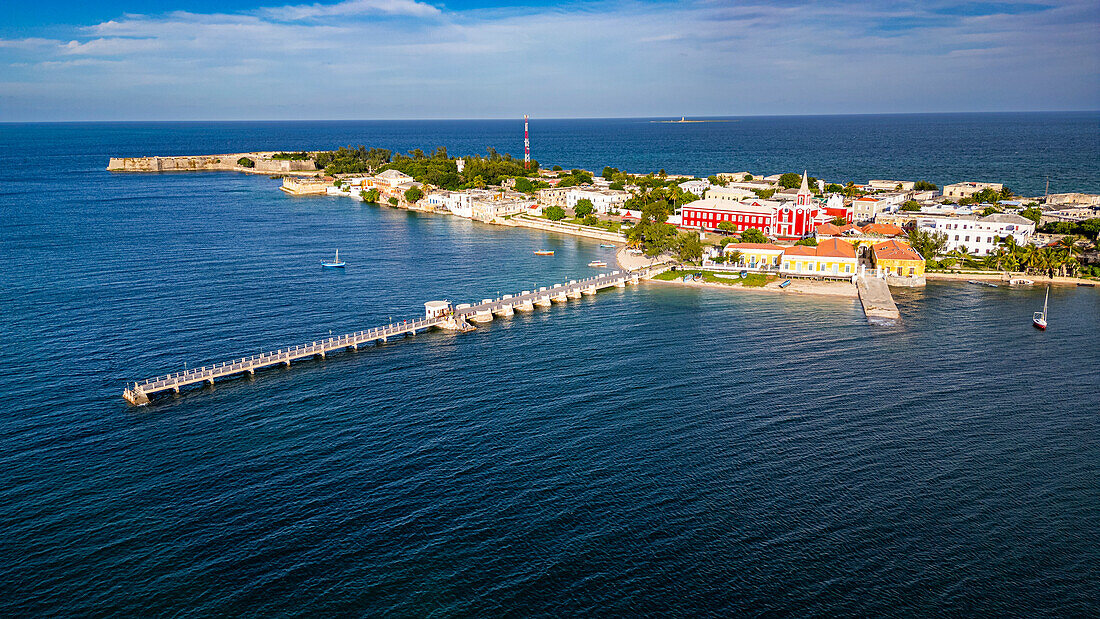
684	120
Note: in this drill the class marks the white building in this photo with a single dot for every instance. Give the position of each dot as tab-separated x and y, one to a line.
736	194
892	185
698	187
979	235
969	188
603	200
393	178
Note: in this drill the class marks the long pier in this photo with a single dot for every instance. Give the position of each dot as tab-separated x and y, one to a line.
437	314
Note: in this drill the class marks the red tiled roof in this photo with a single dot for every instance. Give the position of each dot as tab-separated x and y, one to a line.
800	250
895	250
739	246
827	230
883	229
836	248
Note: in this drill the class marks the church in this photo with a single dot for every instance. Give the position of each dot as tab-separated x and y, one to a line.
787	219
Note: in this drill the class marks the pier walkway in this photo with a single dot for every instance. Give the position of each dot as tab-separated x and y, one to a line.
439	314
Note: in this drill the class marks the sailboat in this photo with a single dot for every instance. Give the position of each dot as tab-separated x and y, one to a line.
1039	319
335	263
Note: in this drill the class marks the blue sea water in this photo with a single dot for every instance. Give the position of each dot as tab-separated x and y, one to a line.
653	450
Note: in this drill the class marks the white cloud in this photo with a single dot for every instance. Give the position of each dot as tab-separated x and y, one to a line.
410	8
377	58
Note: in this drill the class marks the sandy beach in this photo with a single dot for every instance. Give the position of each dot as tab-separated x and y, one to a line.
797	287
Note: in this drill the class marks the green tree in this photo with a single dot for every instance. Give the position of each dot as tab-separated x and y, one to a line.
245	162
1033	214
790	180
557	168
370	195
989	210
764	194
584	208
752	235
927	244
524	185
616	186
839	221
609	172
747	177
833	188
910	205
809	242
727	227
393	201
688	246
554	213
924	186
413	194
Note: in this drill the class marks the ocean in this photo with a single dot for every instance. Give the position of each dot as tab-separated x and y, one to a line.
653	450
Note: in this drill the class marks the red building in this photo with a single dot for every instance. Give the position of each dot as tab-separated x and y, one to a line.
782	219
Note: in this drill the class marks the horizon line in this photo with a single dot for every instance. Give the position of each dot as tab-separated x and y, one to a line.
453	119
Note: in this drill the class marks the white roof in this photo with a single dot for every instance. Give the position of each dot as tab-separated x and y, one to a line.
394	174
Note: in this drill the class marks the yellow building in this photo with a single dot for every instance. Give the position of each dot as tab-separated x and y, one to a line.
831	257
756	255
897	258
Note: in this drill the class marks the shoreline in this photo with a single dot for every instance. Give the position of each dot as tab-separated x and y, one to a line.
834	289
1004	276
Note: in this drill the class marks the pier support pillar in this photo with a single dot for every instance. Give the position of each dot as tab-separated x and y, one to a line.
574	294
589	291
251	371
287	362
210	381
620	283
176	388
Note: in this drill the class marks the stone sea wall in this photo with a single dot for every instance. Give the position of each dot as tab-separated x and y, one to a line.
199	163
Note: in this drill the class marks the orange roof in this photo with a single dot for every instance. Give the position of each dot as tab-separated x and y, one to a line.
883	229
836	248
740	246
895	250
800	250
867	199
849	228
828	230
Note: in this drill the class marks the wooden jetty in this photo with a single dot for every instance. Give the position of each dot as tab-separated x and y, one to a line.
437	314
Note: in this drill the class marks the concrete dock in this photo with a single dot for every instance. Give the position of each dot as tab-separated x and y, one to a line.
875	296
438	314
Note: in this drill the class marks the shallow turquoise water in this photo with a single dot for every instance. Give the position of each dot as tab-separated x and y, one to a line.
657	449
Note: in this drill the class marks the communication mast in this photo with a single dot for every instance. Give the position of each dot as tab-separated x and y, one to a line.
526	145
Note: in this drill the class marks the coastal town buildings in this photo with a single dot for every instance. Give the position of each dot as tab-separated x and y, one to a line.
979	235
786	219
729	193
759	256
603	200
892	185
696	186
832	257
969	188
896	258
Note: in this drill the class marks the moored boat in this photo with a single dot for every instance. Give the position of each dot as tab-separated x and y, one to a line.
544	252
597	263
1019	281
1039	319
606	245
785	283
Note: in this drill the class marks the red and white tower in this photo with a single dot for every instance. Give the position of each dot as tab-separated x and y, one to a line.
526	145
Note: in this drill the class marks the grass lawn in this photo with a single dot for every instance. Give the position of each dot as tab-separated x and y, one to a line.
754	280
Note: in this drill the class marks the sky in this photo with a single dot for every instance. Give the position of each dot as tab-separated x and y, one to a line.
404	59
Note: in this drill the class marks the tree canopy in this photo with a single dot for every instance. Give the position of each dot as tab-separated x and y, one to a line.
790	180
752	235
584	208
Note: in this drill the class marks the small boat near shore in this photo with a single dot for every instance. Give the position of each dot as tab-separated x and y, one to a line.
335	263
544	252
1039	319
990	284
1086	285
1019	281
606	245
597	264
785	283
